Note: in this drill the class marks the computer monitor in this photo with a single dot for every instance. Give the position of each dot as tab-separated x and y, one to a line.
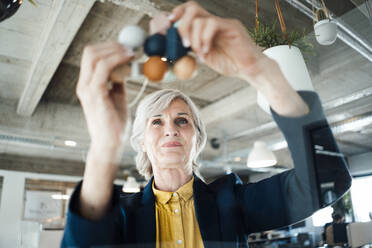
329	165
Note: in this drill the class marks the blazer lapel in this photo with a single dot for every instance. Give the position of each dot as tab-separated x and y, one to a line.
207	214
205	209
145	219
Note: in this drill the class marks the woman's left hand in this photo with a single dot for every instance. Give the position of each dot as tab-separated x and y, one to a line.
222	44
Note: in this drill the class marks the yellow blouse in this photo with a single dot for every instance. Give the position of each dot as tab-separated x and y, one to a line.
176	223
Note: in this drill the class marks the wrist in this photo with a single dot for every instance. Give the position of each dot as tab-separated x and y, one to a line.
271	83
262	74
104	155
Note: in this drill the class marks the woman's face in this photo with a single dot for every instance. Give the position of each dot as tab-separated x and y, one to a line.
170	139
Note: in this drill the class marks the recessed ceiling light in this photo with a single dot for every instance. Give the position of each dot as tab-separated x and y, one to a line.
60	197
70	143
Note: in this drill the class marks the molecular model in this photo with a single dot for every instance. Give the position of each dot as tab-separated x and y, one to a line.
166	53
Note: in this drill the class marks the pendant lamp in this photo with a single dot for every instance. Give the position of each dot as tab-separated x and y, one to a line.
131	185
261	156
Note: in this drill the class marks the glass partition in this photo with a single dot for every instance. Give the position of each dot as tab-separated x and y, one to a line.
1	187
46	201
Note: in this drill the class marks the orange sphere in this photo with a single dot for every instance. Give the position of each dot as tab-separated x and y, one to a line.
155	68
184	67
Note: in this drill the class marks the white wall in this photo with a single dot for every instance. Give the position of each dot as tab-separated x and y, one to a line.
361	164
12	203
11	210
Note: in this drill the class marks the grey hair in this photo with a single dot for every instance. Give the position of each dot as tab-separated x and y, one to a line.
152	104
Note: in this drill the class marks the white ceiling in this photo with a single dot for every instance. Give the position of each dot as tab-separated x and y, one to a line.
40	50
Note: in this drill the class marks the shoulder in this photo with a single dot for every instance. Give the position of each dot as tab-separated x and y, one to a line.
233	182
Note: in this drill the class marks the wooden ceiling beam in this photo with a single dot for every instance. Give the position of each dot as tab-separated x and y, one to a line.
65	19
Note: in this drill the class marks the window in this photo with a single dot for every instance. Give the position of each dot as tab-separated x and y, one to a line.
360	196
45	201
323	216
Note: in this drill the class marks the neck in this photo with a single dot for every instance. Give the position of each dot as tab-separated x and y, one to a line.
171	179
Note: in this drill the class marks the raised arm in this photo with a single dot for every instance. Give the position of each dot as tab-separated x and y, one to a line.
292	196
225	46
105	110
90	219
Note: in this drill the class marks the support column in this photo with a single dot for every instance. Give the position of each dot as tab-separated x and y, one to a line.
11	209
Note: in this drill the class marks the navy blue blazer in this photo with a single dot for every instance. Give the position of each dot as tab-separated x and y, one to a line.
227	210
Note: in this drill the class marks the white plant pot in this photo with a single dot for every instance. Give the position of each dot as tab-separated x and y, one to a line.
325	32
293	67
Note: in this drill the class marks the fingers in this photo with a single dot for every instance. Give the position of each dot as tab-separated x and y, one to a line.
159	24
118	96
204	32
198	26
92	53
97	63
105	65
186	24
185	14
177	12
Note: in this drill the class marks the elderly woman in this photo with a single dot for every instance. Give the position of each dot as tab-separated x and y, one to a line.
176	208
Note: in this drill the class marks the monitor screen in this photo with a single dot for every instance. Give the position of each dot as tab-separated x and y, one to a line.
328	160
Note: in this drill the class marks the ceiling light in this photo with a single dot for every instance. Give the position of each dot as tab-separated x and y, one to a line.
228	170
131	185
261	156
60	197
70	143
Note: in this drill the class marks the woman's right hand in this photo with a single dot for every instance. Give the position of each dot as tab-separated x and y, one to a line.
104	104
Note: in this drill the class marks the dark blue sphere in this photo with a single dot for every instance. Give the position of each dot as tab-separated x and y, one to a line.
175	49
155	45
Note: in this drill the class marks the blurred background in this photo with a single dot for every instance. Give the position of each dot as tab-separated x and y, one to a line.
43	135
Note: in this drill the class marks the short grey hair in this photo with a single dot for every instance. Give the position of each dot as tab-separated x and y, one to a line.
153	104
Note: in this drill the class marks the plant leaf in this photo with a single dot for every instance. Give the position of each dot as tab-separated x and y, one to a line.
32	2
267	36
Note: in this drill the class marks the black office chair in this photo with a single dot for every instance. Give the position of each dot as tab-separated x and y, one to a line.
339	233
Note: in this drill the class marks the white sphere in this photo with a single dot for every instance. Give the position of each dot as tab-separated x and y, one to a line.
132	36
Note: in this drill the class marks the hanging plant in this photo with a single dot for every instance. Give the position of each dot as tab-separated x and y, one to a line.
344	206
284	48
9	7
325	29
266	36
321	15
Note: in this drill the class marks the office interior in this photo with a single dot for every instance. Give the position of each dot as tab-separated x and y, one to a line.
44	139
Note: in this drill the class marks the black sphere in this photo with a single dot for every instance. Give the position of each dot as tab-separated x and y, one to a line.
155	45
175	50
8	8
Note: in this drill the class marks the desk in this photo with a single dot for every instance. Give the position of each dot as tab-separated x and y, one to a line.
261	242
